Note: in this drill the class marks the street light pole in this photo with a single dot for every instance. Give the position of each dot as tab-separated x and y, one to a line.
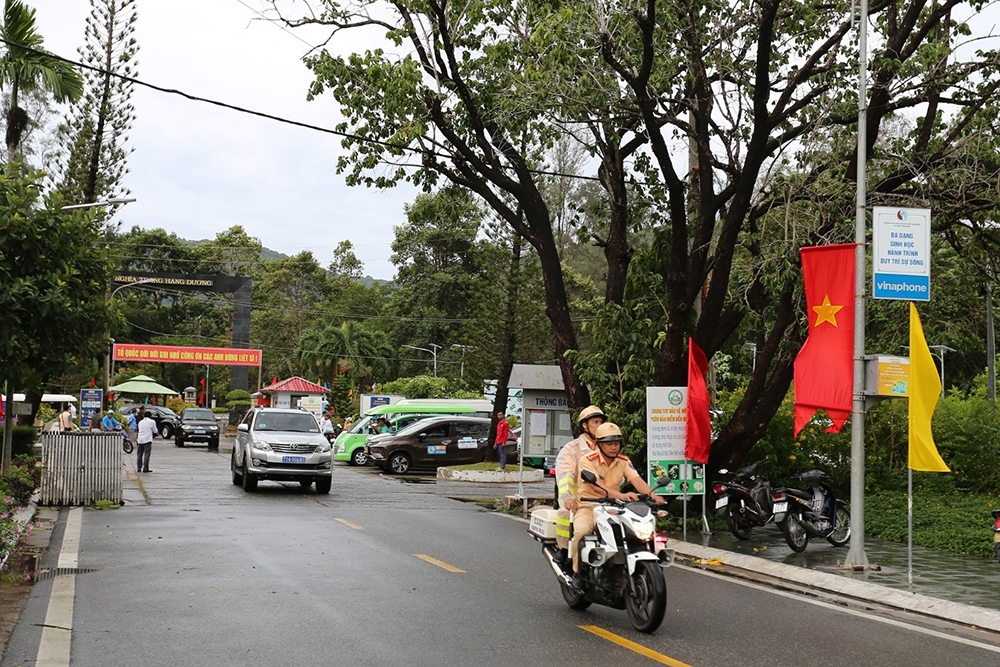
941	350
431	352
463	348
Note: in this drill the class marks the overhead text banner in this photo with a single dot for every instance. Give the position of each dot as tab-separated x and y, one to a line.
177	354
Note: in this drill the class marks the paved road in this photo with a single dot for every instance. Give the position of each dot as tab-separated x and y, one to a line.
193	571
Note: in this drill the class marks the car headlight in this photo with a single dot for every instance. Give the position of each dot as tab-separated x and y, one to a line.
323	449
263	446
213	428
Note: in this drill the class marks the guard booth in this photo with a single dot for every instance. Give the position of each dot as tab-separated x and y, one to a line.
546	422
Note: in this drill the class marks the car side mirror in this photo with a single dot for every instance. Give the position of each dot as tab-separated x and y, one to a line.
243	427
422	436
589	477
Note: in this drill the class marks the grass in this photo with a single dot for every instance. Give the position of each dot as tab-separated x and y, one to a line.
958	523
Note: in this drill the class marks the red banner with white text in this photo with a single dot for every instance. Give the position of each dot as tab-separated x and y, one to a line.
180	354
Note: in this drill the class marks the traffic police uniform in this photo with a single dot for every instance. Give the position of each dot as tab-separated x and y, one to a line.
610	474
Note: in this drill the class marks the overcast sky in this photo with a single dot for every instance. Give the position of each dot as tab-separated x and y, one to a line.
199	169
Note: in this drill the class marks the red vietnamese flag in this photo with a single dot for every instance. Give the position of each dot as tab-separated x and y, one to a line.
824	367
698	437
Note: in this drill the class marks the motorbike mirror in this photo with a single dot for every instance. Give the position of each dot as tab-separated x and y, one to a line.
662	481
722	471
589	477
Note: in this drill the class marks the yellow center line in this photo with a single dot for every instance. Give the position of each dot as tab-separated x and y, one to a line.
350	524
632	646
439	563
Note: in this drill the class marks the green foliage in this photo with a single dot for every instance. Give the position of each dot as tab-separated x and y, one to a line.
955	522
23	441
813	449
19	484
98	126
53	302
426	386
237	398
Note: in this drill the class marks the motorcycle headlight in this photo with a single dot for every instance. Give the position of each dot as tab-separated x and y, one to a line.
643	531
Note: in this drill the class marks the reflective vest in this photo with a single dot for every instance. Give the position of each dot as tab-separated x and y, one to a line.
568	466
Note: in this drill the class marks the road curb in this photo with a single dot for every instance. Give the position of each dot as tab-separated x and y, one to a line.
978	617
22	518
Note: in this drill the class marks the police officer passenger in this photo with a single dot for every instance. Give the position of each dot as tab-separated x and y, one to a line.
567	470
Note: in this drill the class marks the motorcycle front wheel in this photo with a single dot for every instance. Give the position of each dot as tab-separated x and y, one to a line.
841	535
795	533
648	602
738	523
574	598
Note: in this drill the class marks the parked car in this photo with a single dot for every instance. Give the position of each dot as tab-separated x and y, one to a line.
281	445
350	445
433	442
198	425
167	421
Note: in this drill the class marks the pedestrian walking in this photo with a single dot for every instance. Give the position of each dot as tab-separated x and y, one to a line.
133	424
503	433
144	442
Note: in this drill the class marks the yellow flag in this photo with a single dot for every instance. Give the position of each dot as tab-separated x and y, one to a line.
925	388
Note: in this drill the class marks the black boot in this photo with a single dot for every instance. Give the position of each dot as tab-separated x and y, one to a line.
561	557
578	583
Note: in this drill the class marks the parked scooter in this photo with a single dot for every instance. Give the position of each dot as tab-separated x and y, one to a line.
625	570
814	513
745	500
996	534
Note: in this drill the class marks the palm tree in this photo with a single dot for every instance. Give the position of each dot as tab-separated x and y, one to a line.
350	346
26	67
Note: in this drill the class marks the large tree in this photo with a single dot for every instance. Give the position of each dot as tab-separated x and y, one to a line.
743	120
54	281
97	127
26	66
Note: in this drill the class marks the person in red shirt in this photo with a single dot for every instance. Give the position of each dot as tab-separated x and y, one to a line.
503	432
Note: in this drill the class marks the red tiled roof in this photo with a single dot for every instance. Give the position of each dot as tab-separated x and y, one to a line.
295	385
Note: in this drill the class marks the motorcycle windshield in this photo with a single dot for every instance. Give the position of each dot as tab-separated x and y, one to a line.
642	509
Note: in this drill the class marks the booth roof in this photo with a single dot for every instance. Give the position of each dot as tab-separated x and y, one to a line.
538	377
294	385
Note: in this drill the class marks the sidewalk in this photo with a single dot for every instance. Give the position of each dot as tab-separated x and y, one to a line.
952	587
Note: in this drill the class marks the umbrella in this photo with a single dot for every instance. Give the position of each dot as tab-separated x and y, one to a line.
143	384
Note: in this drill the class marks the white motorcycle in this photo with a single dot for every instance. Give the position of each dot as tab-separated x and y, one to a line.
625	568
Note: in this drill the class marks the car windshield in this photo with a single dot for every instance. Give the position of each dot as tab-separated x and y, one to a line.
167	411
286	421
415	427
361	426
195	413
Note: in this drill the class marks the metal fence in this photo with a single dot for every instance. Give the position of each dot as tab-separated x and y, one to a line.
81	468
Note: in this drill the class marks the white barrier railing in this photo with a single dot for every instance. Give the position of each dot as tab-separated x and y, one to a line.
81	468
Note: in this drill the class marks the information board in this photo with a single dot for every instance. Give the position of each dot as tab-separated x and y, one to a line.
901	253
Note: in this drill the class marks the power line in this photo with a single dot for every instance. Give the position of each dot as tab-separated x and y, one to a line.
263	114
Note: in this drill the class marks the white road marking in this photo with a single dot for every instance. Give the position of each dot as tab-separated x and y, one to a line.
54	646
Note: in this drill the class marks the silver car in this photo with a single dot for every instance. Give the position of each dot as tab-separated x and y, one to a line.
282	445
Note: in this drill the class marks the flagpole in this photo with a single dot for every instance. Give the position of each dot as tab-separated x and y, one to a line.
856	558
684	488
909	526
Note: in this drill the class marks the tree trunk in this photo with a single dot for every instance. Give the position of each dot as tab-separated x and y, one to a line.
508	343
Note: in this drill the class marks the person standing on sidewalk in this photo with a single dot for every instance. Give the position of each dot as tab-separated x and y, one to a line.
147	431
500	442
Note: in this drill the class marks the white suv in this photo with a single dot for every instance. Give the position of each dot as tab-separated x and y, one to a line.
281	445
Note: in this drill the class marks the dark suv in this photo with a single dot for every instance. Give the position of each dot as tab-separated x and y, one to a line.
434	442
198	425
166	419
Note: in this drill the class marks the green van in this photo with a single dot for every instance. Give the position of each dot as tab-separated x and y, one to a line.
350	445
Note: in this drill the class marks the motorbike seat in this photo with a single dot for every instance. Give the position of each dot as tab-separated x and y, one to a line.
804	495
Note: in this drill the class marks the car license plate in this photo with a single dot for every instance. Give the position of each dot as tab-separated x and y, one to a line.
293	459
199	430
780	507
722	502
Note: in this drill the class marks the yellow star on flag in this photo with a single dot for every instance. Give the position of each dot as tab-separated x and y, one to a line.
826	312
